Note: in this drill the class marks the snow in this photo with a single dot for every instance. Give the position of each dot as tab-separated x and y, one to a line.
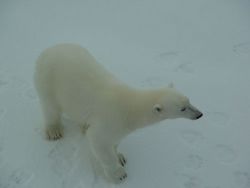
203	46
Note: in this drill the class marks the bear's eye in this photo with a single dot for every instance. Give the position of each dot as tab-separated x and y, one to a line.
158	109
183	109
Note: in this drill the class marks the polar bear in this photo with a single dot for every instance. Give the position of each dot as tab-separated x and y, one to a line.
69	80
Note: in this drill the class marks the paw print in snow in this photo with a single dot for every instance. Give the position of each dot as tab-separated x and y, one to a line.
167	57
189	181
191	137
225	153
184	67
242	179
14	178
194	161
242	48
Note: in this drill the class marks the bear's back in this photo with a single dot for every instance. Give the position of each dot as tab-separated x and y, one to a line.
71	75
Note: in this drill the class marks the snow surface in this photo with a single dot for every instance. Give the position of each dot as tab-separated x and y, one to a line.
203	46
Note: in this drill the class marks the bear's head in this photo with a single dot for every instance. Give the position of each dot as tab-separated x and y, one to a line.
172	104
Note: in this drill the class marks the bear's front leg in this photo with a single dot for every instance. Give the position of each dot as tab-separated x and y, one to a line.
102	148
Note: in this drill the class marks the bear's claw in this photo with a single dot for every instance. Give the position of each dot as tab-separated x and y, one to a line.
54	133
120	175
122	159
123	177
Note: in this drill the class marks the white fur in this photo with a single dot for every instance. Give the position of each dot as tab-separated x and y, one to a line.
69	80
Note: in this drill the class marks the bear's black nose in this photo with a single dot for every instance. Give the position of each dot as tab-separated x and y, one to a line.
199	116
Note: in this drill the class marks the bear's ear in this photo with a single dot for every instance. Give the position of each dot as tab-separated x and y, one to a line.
171	85
157	108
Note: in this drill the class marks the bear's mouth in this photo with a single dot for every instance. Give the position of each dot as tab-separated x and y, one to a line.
198	117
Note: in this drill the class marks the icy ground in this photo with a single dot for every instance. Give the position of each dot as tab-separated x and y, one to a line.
203	46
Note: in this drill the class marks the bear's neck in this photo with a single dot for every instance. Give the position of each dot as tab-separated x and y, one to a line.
140	110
